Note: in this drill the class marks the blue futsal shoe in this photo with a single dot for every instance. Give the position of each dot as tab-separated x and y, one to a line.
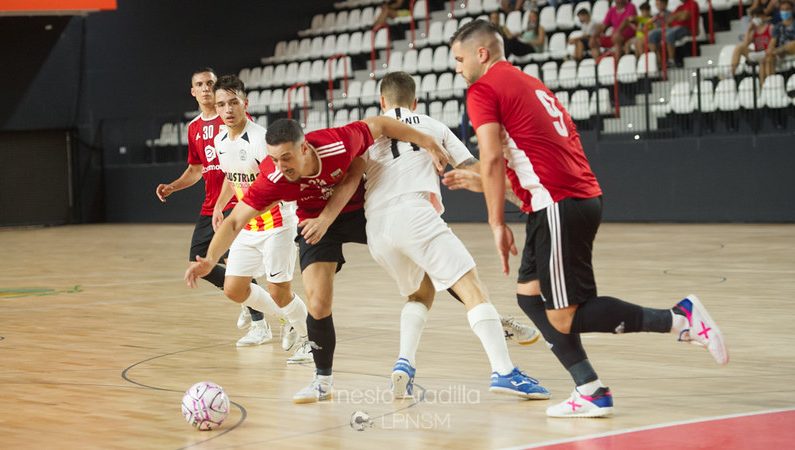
519	384
403	379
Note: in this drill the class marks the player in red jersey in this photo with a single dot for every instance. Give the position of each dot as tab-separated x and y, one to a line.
523	131
308	169
203	163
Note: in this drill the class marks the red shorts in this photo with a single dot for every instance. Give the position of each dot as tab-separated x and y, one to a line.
606	41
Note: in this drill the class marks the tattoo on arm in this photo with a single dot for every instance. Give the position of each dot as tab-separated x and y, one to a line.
466	163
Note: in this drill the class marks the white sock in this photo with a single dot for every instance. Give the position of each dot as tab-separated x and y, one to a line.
295	312
412	322
590	387
678	323
485	322
325	378
260	300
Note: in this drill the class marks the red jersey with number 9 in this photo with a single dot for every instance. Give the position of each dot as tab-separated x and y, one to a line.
544	160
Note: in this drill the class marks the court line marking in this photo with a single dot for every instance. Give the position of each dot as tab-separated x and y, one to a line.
647	427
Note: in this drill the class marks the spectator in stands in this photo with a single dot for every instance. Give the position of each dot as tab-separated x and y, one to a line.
759	33
391	9
581	42
683	22
531	40
644	23
620	17
770	8
783	42
511	5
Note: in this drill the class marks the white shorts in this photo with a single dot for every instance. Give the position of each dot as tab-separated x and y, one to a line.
258	253
408	238
756	56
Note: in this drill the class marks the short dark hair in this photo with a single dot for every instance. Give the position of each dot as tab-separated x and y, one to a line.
665	2
478	26
399	88
230	83
201	70
283	131
785	2
645	5
583	11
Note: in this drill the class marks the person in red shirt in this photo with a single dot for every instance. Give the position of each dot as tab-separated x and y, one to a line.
203	163
621	18
320	171
759	34
682	22
523	131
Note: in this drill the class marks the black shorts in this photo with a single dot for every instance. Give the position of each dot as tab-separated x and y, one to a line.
202	235
558	250
348	227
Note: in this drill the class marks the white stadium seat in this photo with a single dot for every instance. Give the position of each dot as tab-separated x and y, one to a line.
567	74
726	98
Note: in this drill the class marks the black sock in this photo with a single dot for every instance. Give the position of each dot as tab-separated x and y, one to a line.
611	315
216	276
321	333
566	347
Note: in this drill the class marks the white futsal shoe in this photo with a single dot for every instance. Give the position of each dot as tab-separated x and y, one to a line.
303	354
521	333
288	334
320	389
703	331
258	334
599	404
244	319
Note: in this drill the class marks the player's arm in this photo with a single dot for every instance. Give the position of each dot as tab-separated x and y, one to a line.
395	129
492	172
313	230
241	214
189	177
226	194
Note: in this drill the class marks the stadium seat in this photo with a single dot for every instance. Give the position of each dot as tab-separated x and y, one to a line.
329	45
354	19
329	20
549	72
601	106
705	97
681	101
563	98
395	63
354	93
291	74
341	22
557	46
490	6
451	114
651	57
726	95
450	28
435	110
428	87
372	111
277	101
340	70
367	17
304	71
532	70
567	74
791	87
354	115
293	49
254	78
459	85
599	10
565	17
626	69
253	99
607	70
586	72
424	60
340	118
279	73
774	94
244	74
579	105
514	22
380	39
547	19
444	85
262	121
436	33
279	50
745	93
410	61
369	94
440	59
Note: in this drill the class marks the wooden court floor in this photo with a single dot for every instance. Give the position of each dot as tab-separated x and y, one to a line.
99	338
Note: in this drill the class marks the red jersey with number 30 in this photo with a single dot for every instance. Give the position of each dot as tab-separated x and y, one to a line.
545	161
201	150
335	148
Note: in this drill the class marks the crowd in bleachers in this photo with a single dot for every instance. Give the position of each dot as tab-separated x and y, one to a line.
595	56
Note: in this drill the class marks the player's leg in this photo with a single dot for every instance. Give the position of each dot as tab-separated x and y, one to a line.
319	263
279	254
412	323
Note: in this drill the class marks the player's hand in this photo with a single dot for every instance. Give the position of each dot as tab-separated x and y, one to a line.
313	230
218	217
438	154
463	179
503	239
198	269
163	191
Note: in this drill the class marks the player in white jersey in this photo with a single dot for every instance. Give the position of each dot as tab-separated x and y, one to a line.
407	236
267	244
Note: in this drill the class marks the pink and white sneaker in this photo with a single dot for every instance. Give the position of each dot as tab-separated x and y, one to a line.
703	330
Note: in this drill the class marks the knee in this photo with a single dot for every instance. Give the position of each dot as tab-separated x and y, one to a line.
319	307
281	293
561	322
235	292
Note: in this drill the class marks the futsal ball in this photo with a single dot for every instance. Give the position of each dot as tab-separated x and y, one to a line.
205	405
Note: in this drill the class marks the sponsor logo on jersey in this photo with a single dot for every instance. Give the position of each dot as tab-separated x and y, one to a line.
236	177
209	152
210	168
336	174
242	154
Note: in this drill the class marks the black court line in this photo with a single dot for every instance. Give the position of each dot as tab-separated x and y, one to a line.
243	412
